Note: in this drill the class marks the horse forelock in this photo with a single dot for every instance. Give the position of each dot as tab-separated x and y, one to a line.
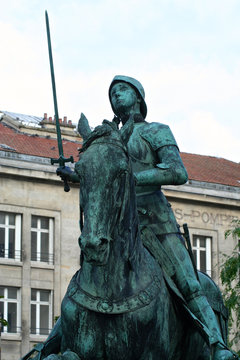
108	130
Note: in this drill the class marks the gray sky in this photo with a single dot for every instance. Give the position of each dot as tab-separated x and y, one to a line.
186	53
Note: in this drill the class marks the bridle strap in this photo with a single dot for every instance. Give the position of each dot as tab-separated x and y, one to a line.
108	306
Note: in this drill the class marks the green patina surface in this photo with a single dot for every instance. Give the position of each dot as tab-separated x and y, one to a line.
136	295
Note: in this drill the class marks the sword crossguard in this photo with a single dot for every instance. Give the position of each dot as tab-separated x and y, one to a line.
62	160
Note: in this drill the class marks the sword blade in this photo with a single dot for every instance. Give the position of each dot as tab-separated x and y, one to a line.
59	137
61	160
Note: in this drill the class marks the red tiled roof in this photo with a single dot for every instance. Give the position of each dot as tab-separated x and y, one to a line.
35	145
212	169
199	167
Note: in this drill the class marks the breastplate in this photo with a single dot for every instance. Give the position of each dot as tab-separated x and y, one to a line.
142	156
154	209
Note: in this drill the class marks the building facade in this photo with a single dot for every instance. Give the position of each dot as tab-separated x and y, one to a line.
39	229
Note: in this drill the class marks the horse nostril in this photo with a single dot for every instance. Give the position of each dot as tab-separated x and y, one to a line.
82	242
90	244
103	241
79	241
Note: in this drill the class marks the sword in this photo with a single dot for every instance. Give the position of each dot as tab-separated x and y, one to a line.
61	160
189	248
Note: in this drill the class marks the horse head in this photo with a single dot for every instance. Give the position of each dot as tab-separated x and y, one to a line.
105	176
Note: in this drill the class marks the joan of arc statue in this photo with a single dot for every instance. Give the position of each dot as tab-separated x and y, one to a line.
156	162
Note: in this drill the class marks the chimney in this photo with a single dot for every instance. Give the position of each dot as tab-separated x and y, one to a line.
67	127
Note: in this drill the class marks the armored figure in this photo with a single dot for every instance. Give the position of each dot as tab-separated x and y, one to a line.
156	161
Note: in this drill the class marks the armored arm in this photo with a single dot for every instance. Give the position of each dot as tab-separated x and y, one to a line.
169	171
168	168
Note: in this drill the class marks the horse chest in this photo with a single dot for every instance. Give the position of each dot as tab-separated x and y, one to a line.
107	337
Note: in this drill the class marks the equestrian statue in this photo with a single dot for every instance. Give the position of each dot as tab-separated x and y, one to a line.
136	295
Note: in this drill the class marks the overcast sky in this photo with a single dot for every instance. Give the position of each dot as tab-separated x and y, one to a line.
186	53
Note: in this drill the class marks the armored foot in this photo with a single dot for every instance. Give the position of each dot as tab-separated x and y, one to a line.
67	355
222	353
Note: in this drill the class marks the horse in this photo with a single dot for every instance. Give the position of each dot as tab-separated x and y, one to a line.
120	304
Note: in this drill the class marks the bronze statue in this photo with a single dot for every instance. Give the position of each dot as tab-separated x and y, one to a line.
156	161
136	295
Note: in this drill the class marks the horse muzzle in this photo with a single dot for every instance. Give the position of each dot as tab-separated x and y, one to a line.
96	251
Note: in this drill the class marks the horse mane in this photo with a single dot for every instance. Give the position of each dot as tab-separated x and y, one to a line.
102	130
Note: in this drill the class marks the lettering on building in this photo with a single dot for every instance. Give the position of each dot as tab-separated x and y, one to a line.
205	216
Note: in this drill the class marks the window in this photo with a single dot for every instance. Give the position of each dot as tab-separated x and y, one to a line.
202	253
41	312
10	236
42	239
10	308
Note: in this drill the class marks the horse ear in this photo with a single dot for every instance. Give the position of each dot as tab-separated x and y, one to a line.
126	130
83	126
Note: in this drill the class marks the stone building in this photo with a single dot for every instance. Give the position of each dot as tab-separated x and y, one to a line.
208	203
39	229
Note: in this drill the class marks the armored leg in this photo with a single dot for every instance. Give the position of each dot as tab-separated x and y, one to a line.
191	289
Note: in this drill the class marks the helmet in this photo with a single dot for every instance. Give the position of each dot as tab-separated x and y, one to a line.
136	85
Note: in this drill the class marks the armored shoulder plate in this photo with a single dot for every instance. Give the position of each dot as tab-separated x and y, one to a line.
158	135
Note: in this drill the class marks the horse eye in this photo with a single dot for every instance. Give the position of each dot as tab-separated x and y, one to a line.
123	172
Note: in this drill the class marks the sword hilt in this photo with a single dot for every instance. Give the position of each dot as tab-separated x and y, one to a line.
66	185
61	161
